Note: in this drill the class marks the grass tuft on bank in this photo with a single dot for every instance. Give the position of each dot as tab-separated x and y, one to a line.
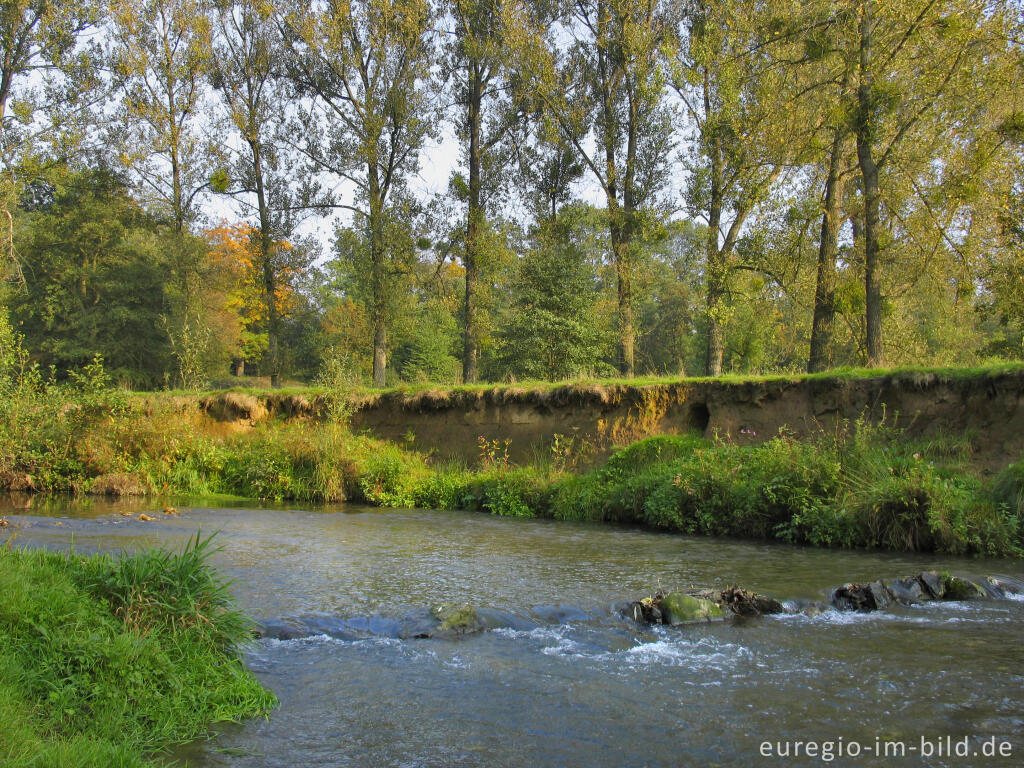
107	661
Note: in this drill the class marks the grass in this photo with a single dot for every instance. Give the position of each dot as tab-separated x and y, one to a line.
835	374
107	661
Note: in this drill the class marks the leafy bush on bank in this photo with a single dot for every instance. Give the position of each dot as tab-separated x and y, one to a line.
107	661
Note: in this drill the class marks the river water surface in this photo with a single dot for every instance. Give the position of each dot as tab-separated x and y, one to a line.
559	678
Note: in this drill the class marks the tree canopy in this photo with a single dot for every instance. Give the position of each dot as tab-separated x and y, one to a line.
459	190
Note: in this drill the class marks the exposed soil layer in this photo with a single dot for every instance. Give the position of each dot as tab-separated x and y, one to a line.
450	423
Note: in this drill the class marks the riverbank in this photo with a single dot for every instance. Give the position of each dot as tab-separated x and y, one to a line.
867	483
110	661
983	404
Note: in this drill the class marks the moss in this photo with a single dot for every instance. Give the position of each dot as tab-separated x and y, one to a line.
459	619
679	608
955	588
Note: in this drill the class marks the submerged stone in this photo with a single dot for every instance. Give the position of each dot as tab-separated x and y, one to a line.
814	609
458	619
998	588
678	608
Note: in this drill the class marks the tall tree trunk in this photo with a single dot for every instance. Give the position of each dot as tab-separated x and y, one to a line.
619	220
715	267
869	175
380	350
268	254
378	278
474	219
820	357
715	297
273	320
621	237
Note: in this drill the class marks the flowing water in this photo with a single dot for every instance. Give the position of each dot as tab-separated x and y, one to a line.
559	678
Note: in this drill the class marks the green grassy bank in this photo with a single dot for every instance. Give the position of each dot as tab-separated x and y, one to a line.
860	485
108	661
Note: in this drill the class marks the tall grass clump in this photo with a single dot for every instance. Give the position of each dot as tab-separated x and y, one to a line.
109	661
862	486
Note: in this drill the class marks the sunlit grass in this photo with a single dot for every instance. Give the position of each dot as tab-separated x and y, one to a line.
107	661
940	373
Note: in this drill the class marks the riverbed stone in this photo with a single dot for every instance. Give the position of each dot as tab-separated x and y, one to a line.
956	588
853	597
932	582
814	609
679	608
882	596
457	619
1005	587
743	602
905	591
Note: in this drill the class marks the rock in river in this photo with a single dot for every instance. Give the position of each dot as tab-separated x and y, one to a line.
679	608
457	619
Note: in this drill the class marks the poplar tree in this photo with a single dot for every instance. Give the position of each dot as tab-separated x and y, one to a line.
246	72
364	69
161	54
608	86
482	89
916	76
732	96
161	57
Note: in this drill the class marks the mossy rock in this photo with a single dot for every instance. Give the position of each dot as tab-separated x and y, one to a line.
678	608
955	588
458	619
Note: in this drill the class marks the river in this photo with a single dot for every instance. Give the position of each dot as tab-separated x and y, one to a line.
559	678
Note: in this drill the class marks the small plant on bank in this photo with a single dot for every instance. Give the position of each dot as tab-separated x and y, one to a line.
493	453
340	381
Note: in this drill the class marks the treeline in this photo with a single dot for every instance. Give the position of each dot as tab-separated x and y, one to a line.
193	188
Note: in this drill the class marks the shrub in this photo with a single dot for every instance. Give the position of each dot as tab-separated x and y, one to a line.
520	492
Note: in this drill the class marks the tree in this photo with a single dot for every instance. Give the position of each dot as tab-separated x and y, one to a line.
245	73
42	63
911	59
161	54
474	61
364	66
236	253
98	277
610	87
551	333
731	93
